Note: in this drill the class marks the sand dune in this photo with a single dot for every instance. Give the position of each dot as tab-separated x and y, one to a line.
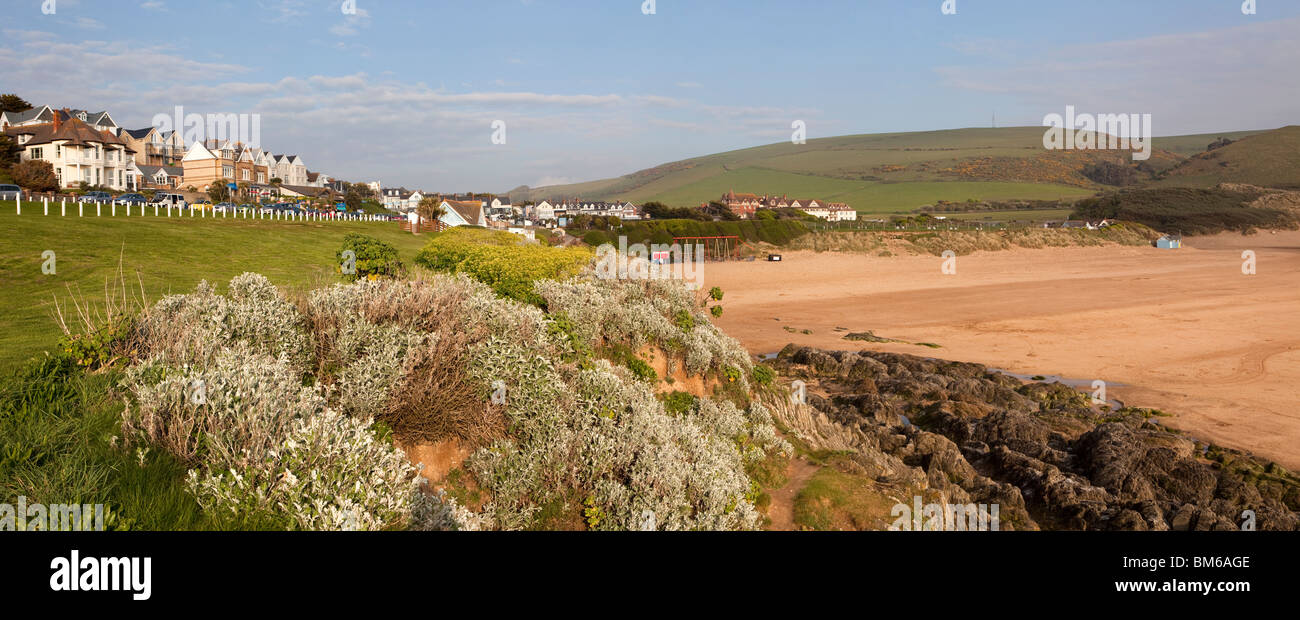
1183	331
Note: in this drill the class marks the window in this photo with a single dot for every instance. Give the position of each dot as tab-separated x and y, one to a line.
36	153
247	175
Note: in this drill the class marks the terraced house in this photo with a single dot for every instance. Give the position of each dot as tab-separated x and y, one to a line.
154	147
79	151
290	169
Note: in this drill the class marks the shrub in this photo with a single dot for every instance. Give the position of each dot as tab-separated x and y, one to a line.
192	328
34	175
763	375
502	260
715	294
374	258
679	403
328	472
642	370
105	346
684	320
716	311
427	355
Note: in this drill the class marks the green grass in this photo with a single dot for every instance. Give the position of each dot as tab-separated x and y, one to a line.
56	428
868	197
171	255
835	500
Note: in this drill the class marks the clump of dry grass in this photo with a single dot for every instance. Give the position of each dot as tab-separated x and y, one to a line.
435	399
101	334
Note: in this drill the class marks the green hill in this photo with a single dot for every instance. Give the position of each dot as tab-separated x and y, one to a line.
880	173
1268	159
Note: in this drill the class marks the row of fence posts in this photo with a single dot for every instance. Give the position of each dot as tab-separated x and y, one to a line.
243	213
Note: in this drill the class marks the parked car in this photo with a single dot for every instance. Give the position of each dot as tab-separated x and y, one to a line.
131	199
222	207
96	197
169	200
10	192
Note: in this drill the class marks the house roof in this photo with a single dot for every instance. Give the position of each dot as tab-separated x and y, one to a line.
93	118
172	171
74	132
470	211
138	133
26	115
306	190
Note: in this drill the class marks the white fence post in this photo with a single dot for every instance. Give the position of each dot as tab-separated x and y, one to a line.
46	205
99	209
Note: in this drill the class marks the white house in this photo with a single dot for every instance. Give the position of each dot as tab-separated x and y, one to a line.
831	212
78	152
99	121
463	213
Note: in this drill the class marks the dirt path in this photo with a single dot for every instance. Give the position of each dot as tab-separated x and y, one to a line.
781	510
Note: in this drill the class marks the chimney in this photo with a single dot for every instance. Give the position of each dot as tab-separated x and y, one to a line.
58	121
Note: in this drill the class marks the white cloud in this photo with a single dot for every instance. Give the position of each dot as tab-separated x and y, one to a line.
1231	78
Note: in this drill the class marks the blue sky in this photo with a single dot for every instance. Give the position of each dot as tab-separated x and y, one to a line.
405	92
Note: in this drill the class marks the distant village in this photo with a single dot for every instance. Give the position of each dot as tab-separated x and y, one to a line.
89	150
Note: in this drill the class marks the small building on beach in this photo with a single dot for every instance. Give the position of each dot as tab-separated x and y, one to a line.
1170	242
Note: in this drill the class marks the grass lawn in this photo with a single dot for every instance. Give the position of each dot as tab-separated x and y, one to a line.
171	255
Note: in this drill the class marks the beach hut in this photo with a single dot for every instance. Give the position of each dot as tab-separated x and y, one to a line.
1170	242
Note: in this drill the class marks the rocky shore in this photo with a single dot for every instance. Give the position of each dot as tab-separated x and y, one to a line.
1043	452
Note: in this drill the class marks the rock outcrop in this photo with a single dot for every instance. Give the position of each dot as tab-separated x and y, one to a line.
1044	452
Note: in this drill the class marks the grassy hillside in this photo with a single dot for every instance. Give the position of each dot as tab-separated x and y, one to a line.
170	254
1268	159
884	173
1186	210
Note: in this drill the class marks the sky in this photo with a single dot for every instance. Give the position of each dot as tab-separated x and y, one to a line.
408	92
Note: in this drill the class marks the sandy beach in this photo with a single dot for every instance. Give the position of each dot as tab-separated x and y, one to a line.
1184	331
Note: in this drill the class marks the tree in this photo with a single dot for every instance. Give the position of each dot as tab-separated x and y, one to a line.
720	211
35	175
353	200
1110	173
1218	144
361	188
430	209
13	103
218	192
9	151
